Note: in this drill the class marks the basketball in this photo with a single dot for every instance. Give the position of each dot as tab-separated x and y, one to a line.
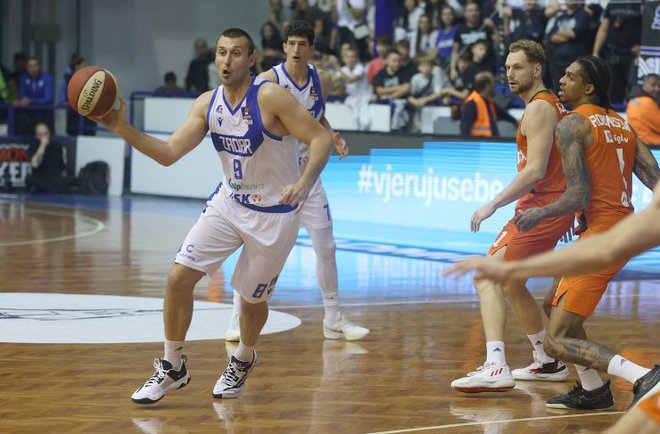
92	91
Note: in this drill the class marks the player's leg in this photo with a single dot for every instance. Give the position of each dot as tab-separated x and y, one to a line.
317	220
494	375
269	239
543	367
233	333
207	245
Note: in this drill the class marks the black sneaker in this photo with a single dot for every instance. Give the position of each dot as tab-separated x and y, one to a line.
646	385
580	399
162	381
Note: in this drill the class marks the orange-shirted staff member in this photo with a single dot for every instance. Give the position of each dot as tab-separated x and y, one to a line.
599	154
479	114
643	110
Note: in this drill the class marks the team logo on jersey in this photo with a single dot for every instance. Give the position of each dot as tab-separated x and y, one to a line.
313	94
247	117
287	87
256	199
218	109
246	199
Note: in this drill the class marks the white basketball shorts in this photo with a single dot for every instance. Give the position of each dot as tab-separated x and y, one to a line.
223	227
315	213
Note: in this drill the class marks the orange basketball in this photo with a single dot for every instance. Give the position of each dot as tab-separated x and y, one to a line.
92	91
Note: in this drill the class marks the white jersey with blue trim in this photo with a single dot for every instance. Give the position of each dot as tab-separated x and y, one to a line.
310	96
257	164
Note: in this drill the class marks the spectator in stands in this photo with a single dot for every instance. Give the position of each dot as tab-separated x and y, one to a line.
35	89
355	74
406	22
351	27
479	114
313	15
643	110
5	94
567	40
444	37
383	45
480	56
20	63
197	79
463	83
433	8
271	46
279	16
422	43
392	84
330	64
474	29
73	119
528	22
426	87
48	164
408	67
618	41
169	87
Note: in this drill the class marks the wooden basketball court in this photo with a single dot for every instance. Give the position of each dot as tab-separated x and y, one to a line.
425	331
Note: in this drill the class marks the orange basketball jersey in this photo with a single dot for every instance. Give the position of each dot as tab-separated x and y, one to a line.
553	181
611	158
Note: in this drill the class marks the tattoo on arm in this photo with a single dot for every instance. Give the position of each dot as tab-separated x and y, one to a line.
573	136
646	167
582	352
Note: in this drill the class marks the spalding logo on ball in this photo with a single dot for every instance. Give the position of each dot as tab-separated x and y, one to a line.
92	91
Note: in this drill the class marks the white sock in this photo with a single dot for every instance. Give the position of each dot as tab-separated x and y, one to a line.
626	369
236	308
325	249
537	342
173	352
243	352
495	353
589	377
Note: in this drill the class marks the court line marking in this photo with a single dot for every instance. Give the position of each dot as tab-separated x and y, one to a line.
99	227
524	419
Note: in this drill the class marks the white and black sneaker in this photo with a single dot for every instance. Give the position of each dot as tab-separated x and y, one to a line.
232	381
646	385
537	371
162	381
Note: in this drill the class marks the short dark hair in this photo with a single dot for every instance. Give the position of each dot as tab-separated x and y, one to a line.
532	49
170	76
651	76
391	51
596	71
384	39
235	32
483	80
300	28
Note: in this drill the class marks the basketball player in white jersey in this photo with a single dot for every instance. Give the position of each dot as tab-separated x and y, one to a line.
252	124
310	87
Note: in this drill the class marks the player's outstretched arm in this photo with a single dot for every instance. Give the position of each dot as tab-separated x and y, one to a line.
574	137
182	141
646	166
539	126
630	237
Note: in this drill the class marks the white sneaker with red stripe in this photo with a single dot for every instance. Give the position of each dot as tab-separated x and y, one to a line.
490	378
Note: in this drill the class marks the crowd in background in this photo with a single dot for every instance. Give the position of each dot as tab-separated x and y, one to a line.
432	55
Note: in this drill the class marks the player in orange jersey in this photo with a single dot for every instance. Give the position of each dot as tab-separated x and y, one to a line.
539	182
600	152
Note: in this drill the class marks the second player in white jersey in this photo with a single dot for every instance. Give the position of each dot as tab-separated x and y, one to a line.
310	87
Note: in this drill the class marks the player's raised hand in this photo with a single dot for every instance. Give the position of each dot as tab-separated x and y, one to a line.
115	118
480	215
485	267
528	219
340	145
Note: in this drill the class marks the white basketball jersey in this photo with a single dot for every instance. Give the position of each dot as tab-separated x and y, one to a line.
310	96
256	164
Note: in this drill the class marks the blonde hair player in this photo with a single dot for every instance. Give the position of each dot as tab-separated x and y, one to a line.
539	181
255	126
600	152
310	87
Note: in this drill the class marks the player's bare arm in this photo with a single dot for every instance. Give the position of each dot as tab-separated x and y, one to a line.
269	75
574	137
182	141
538	125
283	115
340	144
646	166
